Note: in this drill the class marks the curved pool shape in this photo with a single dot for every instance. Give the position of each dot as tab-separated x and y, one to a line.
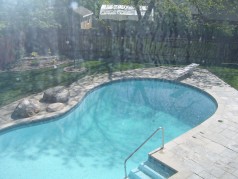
93	140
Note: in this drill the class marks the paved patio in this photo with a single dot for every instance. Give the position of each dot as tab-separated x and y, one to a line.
210	150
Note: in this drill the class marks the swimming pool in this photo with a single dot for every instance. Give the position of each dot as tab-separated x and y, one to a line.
93	140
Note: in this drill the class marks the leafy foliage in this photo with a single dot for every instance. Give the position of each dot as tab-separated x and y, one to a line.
21	14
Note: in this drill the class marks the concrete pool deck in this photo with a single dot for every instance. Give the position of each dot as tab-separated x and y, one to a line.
209	150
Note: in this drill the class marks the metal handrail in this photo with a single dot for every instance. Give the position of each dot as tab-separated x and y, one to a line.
160	128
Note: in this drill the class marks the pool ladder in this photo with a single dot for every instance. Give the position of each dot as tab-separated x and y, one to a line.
162	146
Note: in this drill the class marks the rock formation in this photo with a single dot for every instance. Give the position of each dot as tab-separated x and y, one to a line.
27	108
56	95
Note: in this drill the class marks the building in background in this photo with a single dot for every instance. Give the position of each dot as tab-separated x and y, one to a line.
85	17
122	13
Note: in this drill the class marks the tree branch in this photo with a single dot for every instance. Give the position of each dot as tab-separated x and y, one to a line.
137	7
149	10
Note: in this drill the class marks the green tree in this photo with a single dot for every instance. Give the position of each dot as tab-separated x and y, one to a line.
20	20
187	18
21	14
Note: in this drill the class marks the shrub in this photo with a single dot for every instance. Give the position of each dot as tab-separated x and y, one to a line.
35	63
34	54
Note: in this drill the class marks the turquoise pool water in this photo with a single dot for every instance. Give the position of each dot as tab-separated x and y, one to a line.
93	140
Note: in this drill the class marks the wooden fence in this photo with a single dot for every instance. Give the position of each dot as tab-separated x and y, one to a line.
7	51
15	45
91	44
94	44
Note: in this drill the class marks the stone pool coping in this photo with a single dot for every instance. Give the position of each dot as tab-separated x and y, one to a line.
209	150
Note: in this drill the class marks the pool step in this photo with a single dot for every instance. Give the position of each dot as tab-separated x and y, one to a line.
144	172
138	174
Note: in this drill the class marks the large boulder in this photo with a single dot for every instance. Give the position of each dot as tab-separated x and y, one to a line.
56	95
26	108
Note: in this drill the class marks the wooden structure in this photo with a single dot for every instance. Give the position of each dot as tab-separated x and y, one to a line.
84	17
122	13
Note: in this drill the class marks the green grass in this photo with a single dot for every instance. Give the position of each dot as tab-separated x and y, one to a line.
16	85
229	75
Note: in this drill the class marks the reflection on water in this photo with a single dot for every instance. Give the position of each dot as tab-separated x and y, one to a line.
96	137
